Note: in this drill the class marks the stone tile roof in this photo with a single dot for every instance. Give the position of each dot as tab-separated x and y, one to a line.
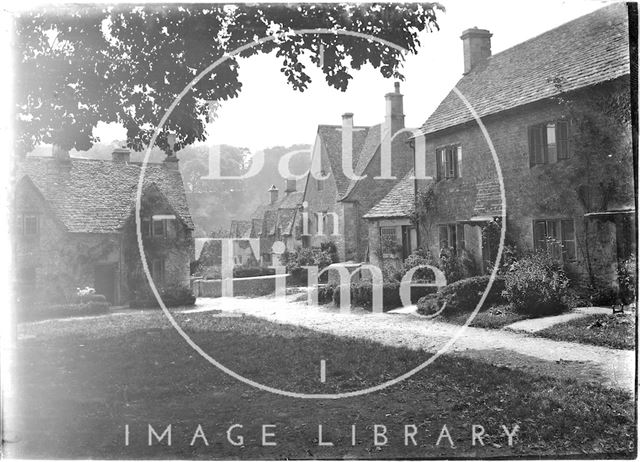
398	203
97	196
331	137
370	146
240	229
276	218
588	50
488	202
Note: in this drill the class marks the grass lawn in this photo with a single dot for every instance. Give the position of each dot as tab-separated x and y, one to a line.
80	381
608	330
495	317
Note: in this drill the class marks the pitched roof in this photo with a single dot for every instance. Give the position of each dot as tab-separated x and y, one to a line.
97	196
240	228
588	50
398	203
369	147
331	138
276	218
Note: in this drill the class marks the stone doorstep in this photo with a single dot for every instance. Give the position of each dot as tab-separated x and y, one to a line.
538	324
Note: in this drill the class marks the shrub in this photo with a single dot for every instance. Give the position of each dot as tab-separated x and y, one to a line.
325	294
537	285
172	295
362	295
463	295
89	308
309	256
252	272
627	273
417	258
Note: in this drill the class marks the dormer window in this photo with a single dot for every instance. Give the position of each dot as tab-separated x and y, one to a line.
158	225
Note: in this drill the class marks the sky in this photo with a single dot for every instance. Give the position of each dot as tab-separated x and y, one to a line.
268	112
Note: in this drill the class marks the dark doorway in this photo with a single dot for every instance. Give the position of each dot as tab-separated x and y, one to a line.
105	281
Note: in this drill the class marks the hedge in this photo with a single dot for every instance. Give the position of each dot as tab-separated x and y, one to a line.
171	296
463	296
362	295
89	308
243	287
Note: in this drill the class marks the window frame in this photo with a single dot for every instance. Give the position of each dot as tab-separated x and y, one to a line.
454	235
558	229
449	162
388	230
29	231
544	151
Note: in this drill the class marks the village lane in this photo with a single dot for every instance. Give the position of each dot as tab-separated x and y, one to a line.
584	363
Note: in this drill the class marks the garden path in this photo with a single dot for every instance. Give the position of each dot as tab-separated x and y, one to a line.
584	363
538	324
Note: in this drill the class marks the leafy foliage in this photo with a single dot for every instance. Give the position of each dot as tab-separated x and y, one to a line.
462	296
537	285
81	65
309	256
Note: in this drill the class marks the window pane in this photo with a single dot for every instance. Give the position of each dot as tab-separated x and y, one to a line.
459	162
158	227
552	152
562	134
444	236
539	235
568	240
30	224
460	237
452	236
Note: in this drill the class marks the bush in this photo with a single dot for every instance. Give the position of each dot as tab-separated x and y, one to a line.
417	258
172	295
362	295
89	308
463	295
309	256
537	285
325	294
627	273
252	272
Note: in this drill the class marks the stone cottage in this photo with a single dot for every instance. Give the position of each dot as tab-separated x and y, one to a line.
278	220
338	194
556	111
392	232
75	227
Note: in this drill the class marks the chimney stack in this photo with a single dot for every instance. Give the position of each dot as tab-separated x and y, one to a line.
394	116
273	192
290	185
476	47
60	154
347	135
121	155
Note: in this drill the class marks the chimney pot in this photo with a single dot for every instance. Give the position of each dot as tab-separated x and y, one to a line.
273	194
290	185
121	155
476	45
394	116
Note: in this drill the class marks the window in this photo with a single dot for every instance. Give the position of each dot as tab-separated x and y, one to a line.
558	236
389	240
452	236
548	142
29	224
157	270
157	227
449	162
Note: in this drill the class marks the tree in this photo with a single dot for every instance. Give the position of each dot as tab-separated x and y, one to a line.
78	65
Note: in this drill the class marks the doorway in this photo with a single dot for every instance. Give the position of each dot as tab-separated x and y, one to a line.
105	281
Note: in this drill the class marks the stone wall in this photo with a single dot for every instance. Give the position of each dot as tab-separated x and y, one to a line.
531	192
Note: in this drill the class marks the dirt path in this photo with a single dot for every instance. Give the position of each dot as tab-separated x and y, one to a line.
586	363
